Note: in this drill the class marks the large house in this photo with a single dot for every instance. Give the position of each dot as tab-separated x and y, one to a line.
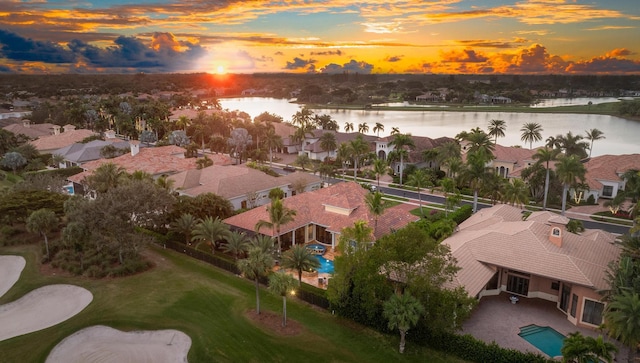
78	154
62	136
604	174
322	214
499	251
244	187
30	130
313	147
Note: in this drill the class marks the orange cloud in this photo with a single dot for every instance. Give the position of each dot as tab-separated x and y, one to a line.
619	52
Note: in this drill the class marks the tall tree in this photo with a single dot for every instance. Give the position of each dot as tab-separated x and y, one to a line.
496	129
358	147
546	156
570	170
376	206
531	131
239	141
622	319
13	160
272	141
210	231
42	222
573	145
419	180
593	135
257	264
328	142
395	130
479	143
282	284
474	174
184	225
107	176
300	259
348	126
402	312
516	192
380	168
279	215
400	142
377	128
363	128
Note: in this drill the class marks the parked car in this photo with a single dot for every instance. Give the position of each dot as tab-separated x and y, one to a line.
289	168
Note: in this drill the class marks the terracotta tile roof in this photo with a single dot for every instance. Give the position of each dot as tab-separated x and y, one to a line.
609	167
32	131
53	142
341	137
498	236
424	143
316	208
233	181
154	160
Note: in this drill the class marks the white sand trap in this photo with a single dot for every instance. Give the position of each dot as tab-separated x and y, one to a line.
10	269
101	344
42	308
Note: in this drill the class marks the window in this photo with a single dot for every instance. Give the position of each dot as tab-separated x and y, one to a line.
555	286
592	312
607	191
564	297
518	285
574	305
555	231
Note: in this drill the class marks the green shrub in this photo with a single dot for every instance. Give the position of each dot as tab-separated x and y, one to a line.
591	199
461	214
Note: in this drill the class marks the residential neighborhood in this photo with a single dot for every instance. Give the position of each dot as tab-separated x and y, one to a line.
467	228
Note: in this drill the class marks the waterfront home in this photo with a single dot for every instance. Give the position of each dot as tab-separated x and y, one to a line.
534	258
604	174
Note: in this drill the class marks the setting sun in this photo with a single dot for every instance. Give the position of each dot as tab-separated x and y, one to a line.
220	70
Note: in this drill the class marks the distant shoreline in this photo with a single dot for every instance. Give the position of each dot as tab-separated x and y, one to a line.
607	108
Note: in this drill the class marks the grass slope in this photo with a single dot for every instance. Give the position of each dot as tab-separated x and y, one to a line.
209	305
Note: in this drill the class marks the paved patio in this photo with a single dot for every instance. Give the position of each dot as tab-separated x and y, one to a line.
497	319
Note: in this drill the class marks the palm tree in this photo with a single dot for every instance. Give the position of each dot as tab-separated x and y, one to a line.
546	156
354	238
569	170
348	126
237	244
210	231
165	183
419	180
480	144
363	128
395	130
578	348
380	168
573	145
376	206
302	117
357	148
256	265
622	319
42	222
399	142
377	128
279	215
531	131
272	141
496	129
553	142
184	225
300	259
516	192
402	312
105	177
593	135
282	284
183	122
474	173
328	142
262	242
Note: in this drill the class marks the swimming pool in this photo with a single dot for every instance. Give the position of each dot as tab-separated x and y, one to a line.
544	338
326	266
316	249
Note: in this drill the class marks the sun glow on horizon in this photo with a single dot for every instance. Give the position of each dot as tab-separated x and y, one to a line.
220	70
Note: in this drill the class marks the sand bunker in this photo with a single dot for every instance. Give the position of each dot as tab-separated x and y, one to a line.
106	345
10	269
42	308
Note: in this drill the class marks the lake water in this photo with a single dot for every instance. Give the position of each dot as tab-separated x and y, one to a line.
622	136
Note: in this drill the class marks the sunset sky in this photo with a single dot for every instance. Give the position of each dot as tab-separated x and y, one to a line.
332	36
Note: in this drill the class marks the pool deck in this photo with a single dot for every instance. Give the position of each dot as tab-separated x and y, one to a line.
495	318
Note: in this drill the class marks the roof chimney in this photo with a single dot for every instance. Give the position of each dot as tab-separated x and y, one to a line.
109	134
135	147
26	123
56	130
558	228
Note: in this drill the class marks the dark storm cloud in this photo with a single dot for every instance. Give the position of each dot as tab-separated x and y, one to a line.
17	48
352	67
299	63
393	59
165	53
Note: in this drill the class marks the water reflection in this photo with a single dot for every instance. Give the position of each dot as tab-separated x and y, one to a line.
621	134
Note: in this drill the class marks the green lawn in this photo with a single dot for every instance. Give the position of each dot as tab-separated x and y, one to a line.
208	305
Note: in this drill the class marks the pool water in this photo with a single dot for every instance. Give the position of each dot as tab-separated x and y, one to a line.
326	266
544	338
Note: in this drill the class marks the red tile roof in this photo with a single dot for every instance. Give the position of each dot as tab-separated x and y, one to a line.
334	207
53	142
609	167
